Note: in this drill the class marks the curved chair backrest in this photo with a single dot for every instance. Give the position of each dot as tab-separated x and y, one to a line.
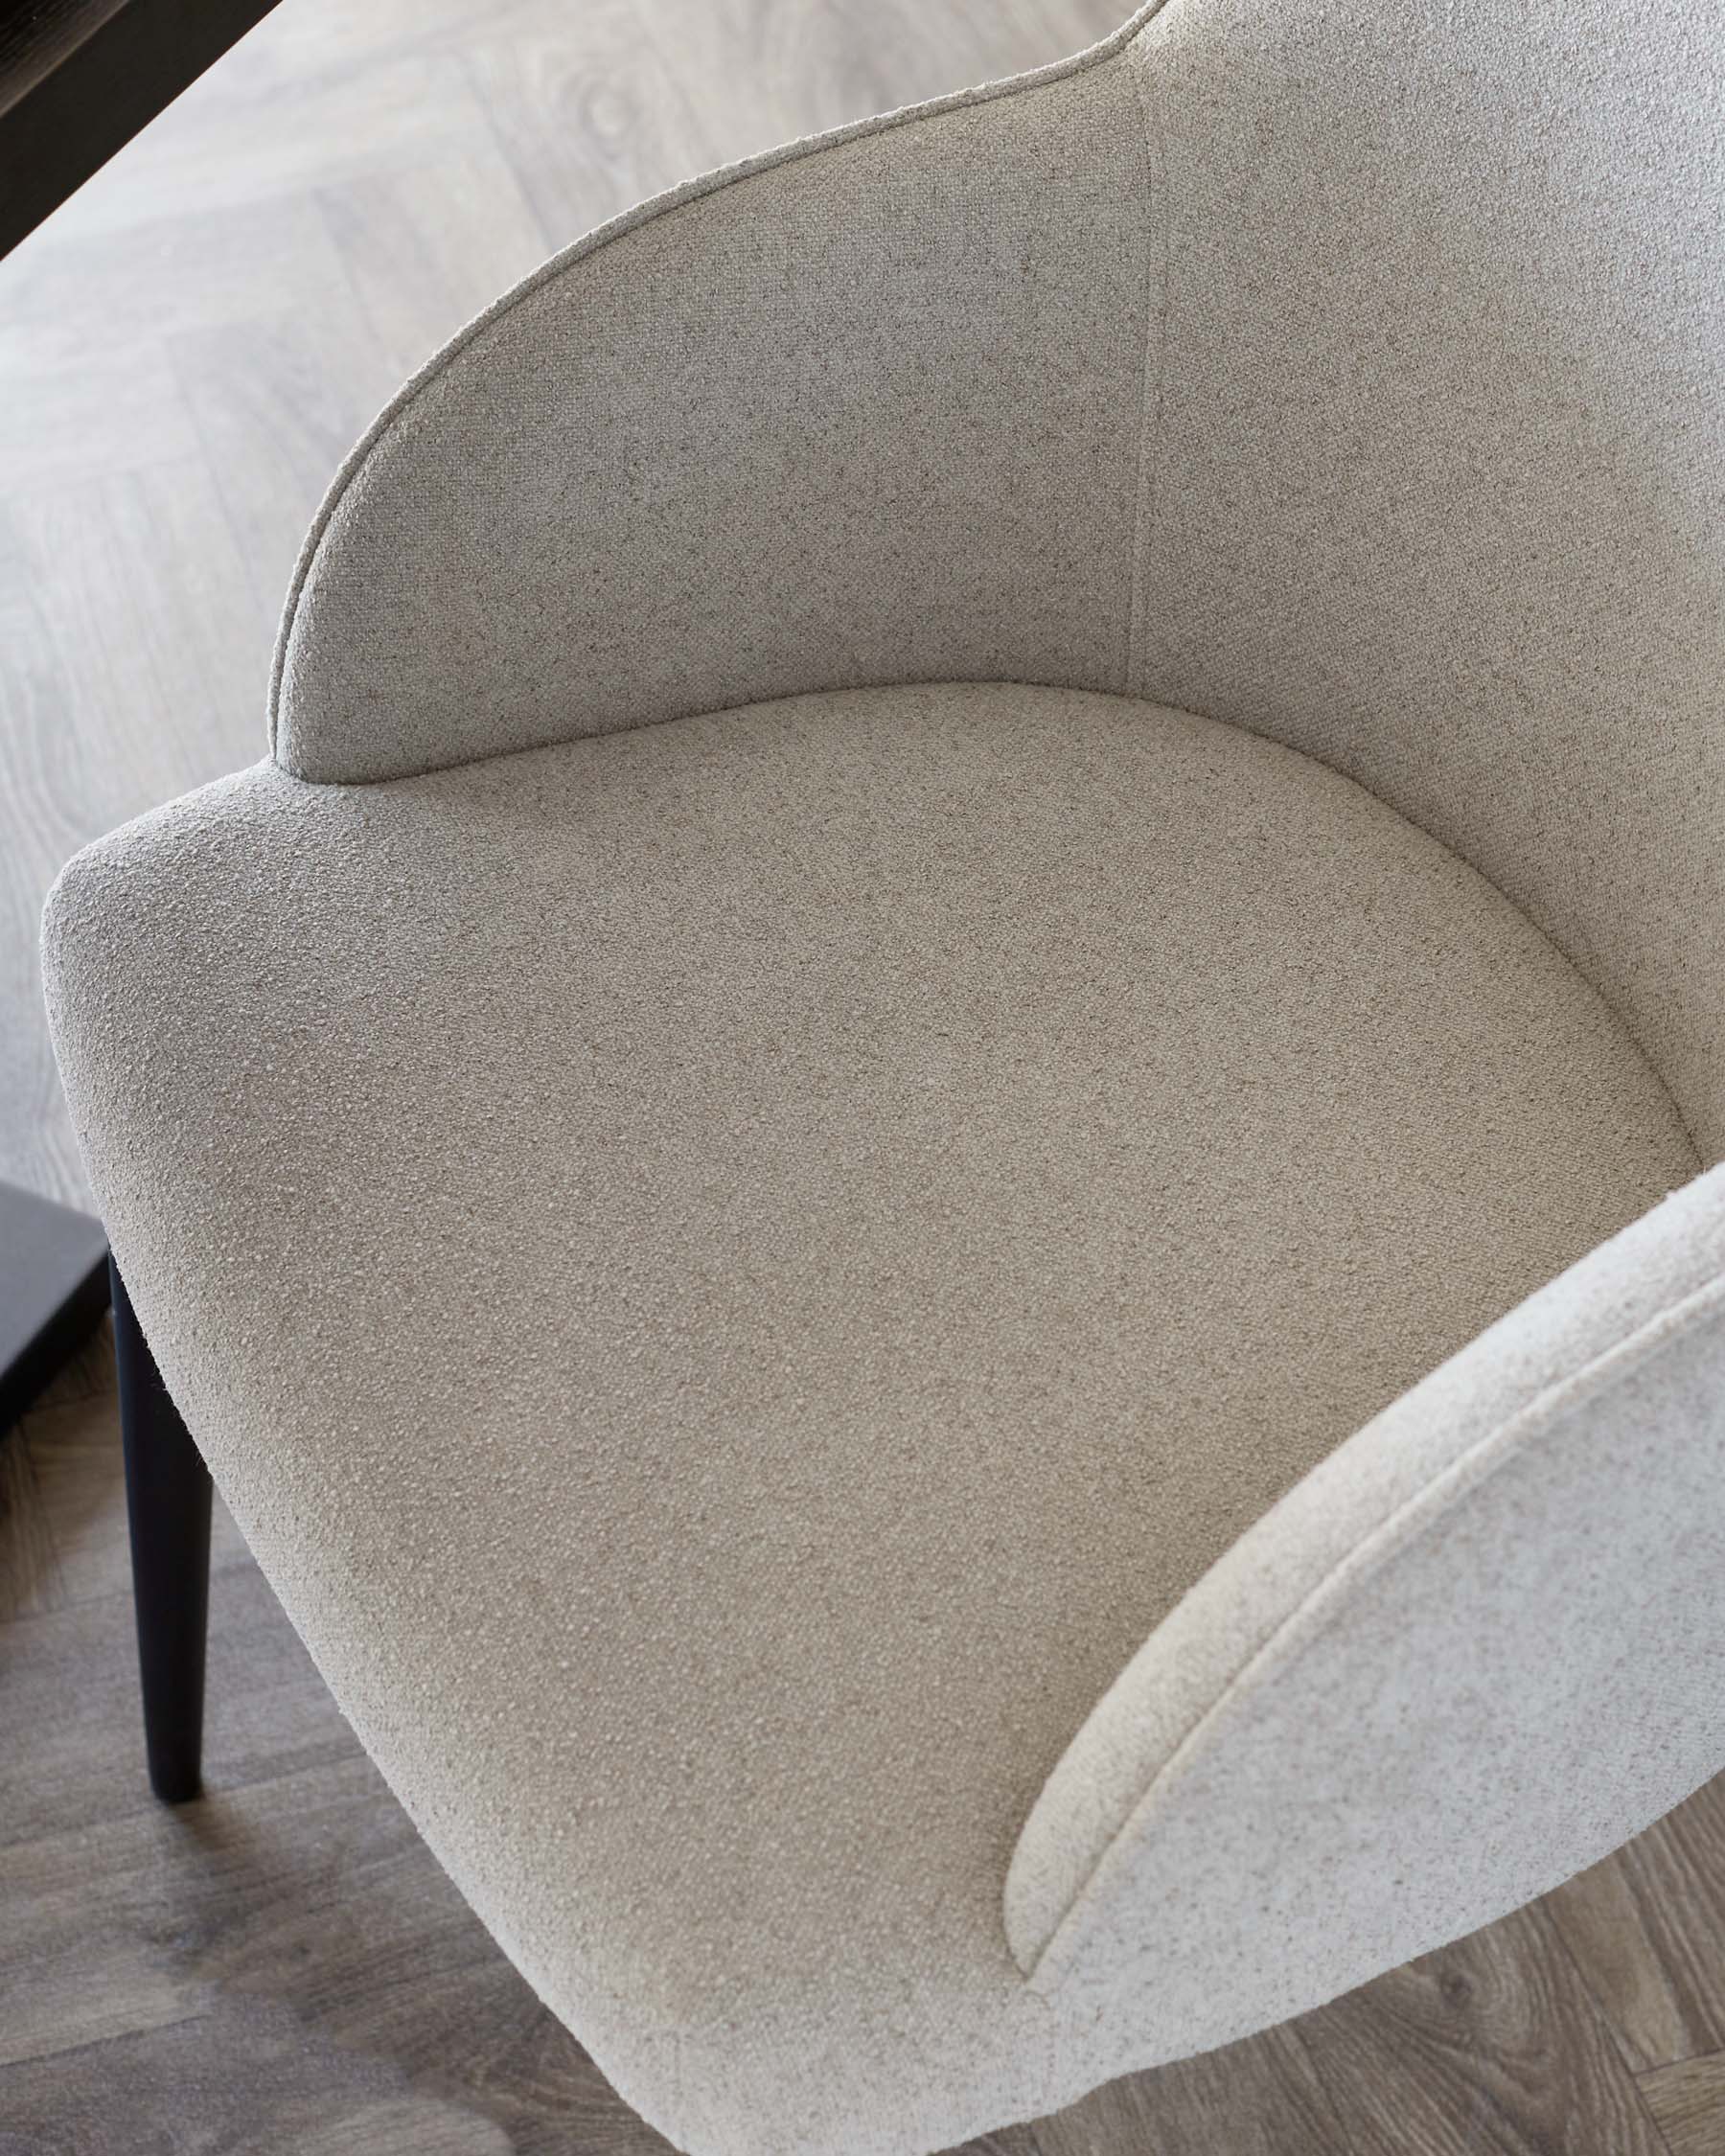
864	412
1353	373
1436	484
1434	490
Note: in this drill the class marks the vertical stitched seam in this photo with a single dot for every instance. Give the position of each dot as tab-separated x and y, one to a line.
1151	372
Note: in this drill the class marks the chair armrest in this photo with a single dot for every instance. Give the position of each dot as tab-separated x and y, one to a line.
864	411
1474	1651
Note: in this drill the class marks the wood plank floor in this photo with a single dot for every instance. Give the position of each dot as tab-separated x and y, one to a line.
185	352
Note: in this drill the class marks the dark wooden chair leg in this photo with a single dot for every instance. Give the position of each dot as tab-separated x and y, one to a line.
168	1502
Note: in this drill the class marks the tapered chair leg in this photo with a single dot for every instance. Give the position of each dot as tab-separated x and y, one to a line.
168	1502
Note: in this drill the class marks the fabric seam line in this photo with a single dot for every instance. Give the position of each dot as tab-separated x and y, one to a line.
400	407
1306	1624
1154	363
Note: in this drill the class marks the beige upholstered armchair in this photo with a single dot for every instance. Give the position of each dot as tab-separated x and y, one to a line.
933	1163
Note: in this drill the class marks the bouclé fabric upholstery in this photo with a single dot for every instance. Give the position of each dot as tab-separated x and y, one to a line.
936	1163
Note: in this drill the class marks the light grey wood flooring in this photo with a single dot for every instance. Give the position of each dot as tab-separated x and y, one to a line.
185	352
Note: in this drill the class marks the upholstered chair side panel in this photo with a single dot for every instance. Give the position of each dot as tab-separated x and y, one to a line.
866	414
1474	1651
1437	491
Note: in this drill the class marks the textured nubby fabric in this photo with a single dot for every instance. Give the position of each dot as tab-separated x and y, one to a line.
733	1272
968	1380
1352	372
1463	1590
868	413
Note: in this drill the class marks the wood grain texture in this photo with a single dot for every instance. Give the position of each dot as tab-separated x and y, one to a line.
1492	2047
1646	1927
69	1449
30	1580
186	350
1262	2097
1688	2100
593	127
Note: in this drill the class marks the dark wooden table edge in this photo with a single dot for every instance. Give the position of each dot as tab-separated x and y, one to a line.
74	92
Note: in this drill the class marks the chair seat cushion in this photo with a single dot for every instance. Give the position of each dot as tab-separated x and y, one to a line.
732	1272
